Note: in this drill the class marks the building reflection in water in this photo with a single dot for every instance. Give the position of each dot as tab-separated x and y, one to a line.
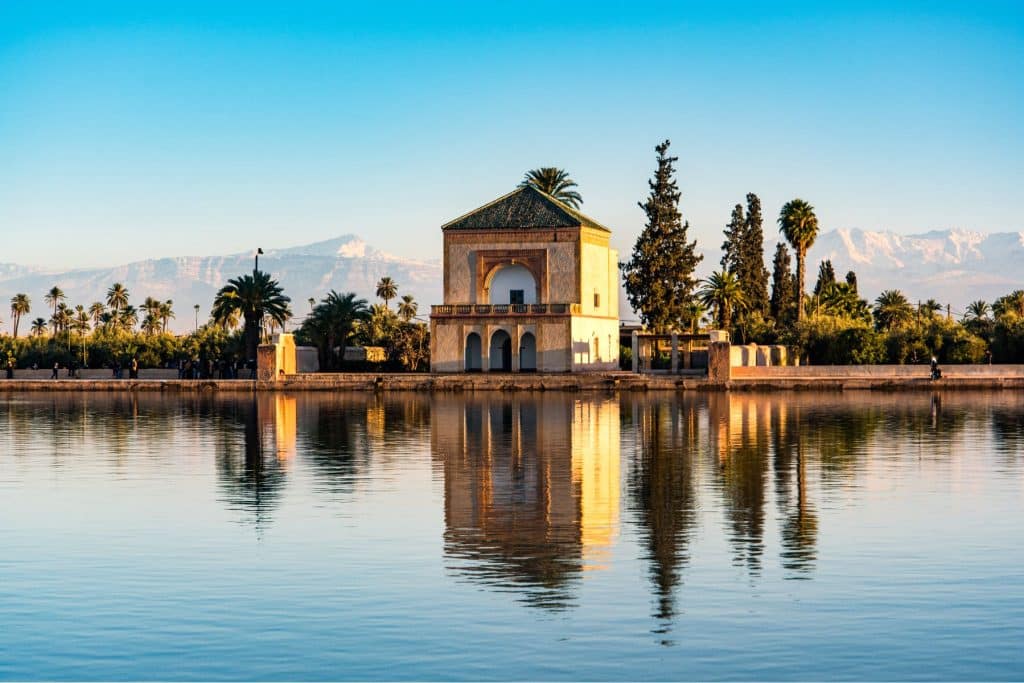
531	490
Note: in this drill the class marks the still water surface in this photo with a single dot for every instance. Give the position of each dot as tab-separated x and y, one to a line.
513	537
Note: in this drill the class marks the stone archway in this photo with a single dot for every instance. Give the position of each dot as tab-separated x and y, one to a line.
474	353
501	352
527	353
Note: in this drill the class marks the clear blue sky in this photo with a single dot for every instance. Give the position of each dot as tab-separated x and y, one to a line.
136	129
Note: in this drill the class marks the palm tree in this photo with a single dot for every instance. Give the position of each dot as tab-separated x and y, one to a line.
54	297
723	292
62	318
387	289
255	297
127	318
150	324
151	306
978	310
20	305
332	322
1011	303
892	309
166	313
555	182
312	303
38	327
117	298
80	320
96	311
407	308
929	308
694	312
799	226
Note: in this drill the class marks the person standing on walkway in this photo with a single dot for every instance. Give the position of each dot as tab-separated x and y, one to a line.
56	370
133	369
10	368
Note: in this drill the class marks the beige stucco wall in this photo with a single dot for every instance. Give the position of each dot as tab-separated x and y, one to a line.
448	341
599	269
460	264
595	343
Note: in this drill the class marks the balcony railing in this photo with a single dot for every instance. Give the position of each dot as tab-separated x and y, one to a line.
504	309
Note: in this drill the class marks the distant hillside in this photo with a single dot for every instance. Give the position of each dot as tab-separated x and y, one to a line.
345	263
952	266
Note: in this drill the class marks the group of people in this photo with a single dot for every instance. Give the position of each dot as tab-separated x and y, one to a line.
207	368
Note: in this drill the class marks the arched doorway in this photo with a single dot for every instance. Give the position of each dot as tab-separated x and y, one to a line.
527	353
474	353
501	351
512	284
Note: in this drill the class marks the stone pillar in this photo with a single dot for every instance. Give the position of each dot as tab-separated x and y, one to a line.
675	353
266	363
719	362
635	341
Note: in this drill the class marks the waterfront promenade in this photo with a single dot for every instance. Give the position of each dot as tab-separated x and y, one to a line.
831	378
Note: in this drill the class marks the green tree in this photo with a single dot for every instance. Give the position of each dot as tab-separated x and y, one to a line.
799	226
20	305
166	313
554	182
38	328
826	277
54	297
752	274
387	290
929	309
892	310
783	287
659	276
722	292
331	324
733	238
407	308
254	297
117	298
96	311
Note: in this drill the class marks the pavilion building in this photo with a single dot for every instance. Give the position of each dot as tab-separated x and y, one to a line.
530	284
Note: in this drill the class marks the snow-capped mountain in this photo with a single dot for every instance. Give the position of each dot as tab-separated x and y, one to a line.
346	264
952	266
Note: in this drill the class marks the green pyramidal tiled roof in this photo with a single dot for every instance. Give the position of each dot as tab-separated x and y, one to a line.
524	208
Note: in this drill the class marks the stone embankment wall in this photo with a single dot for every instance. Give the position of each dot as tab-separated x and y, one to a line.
894	372
831	378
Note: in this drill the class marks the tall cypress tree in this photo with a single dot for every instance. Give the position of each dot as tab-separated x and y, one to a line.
783	286
733	244
753	276
659	276
826	277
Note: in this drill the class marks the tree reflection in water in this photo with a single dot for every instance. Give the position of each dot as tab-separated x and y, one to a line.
249	472
662	491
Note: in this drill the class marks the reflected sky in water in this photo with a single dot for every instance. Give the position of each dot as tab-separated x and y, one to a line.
512	536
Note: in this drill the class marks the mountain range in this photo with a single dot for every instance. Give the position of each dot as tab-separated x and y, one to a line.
952	266
346	264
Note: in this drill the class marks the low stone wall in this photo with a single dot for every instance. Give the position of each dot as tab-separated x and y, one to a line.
869	378
877	372
88	373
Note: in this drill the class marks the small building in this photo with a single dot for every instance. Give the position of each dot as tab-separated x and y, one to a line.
530	284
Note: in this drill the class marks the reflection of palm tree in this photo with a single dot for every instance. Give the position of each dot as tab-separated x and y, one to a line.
800	523
249	481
